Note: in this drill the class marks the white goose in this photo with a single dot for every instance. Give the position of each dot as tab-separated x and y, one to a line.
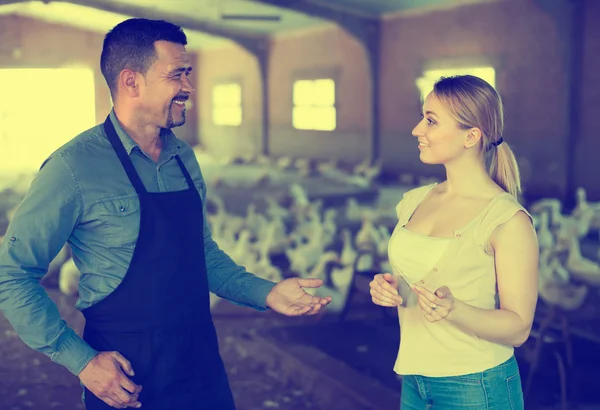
349	254
545	237
68	281
339	288
564	295
580	267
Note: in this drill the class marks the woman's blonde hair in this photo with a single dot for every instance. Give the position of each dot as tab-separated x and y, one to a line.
475	104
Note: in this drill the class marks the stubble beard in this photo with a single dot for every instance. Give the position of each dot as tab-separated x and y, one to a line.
172	123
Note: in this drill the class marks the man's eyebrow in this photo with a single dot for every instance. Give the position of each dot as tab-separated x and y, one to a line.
180	70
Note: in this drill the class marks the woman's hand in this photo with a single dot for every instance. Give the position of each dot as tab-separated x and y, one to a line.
435	306
384	290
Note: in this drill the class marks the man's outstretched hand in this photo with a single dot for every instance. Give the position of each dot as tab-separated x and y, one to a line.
289	298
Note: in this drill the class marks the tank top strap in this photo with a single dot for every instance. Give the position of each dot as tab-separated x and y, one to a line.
501	211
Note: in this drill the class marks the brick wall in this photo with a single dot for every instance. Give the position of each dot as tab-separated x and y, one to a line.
525	44
588	147
230	64
526	41
328	52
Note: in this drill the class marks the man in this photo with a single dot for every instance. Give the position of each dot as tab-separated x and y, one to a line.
128	197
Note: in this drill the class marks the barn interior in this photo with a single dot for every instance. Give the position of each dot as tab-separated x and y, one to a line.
310	105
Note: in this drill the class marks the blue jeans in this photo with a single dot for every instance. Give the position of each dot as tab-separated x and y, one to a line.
498	388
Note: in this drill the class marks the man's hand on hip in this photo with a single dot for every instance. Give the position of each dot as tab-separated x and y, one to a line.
105	376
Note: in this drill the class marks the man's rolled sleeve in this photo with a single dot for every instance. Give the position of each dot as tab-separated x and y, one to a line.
72	352
231	281
226	278
42	224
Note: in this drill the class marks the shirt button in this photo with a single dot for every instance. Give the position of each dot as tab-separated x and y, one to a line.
13	238
435	269
458	235
122	209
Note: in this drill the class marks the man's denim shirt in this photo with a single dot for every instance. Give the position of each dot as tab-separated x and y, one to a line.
82	196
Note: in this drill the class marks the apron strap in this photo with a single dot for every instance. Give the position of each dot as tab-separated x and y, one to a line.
117	145
186	174
123	157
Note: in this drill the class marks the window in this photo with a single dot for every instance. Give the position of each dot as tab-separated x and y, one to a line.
314	105
40	110
429	78
227	104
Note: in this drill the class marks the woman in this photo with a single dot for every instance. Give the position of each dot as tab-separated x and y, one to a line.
464	256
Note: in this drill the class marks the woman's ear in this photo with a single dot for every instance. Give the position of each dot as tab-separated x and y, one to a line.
473	137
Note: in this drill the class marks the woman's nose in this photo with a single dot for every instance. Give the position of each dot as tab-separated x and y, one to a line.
417	131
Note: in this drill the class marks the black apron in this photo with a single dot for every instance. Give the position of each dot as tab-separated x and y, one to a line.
159	316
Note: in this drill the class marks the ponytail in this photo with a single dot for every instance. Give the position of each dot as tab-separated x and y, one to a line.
504	169
475	103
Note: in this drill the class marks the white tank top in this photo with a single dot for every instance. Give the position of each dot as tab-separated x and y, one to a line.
465	263
414	254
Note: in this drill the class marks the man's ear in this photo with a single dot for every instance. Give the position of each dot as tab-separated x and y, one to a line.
128	82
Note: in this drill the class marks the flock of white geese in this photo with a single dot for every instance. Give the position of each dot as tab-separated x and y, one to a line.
564	274
314	246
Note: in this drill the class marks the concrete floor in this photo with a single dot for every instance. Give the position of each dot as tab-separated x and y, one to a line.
277	362
290	363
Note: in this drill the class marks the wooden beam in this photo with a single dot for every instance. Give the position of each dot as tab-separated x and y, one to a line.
569	19
252	42
362	27
367	30
576	57
7	2
263	67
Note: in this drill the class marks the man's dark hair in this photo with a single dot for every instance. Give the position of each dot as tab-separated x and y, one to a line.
130	44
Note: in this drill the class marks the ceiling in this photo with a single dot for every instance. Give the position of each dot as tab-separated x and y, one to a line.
212	10
203	19
383	7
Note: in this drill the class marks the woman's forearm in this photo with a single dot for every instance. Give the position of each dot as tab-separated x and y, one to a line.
494	325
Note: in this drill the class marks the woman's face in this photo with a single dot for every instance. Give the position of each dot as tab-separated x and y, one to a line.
439	136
